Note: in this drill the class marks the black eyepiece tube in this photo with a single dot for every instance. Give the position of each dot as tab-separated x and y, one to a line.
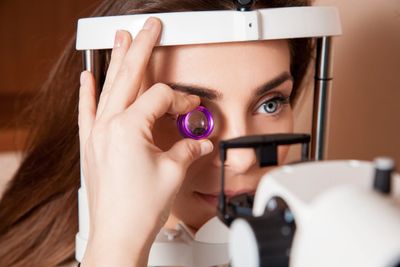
243	5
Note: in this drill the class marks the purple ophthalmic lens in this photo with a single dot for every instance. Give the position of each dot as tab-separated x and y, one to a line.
197	124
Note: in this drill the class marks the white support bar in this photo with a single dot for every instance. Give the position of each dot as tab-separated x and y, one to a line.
200	27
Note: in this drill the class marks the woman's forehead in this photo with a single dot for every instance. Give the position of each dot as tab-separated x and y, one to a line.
247	64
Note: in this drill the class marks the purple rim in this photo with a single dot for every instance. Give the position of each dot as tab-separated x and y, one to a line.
183	124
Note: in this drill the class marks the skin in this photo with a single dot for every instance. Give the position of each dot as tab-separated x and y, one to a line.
238	70
134	175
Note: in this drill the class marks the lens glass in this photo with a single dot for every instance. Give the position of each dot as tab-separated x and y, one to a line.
197	123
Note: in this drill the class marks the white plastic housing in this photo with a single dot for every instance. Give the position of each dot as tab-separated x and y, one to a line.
200	27
180	247
208	247
340	219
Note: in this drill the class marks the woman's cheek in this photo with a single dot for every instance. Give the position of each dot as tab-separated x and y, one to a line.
270	124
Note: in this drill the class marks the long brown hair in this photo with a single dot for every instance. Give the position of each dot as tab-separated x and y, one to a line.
39	209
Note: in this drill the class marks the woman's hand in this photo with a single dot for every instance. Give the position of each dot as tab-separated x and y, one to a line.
130	182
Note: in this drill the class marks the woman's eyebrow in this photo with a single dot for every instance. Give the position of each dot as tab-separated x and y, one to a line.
275	82
202	92
212	94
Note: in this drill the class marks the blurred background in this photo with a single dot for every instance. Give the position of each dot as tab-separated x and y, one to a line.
364	114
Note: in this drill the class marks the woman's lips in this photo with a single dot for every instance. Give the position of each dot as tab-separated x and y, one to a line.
212	199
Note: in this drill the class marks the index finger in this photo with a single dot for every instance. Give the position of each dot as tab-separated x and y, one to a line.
130	75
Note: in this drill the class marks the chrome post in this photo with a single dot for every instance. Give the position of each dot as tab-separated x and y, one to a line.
88	60
305	152
323	82
83	207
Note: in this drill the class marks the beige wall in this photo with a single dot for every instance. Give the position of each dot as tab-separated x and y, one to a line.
364	116
33	34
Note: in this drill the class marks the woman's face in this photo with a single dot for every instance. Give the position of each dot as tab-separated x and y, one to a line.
247	88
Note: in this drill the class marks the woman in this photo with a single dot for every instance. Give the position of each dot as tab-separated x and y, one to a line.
140	173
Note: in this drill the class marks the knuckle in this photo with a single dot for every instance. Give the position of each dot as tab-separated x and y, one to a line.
82	116
80	121
124	70
106	87
81	106
138	112
164	91
104	94
162	87
117	55
105	132
192	150
116	126
141	37
98	134
170	166
187	102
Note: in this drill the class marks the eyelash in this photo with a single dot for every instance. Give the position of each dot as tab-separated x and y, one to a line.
281	101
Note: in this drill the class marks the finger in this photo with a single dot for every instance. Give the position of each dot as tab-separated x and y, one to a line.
122	43
159	100
86	107
130	75
184	152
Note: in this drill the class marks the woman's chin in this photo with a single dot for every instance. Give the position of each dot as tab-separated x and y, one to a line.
197	214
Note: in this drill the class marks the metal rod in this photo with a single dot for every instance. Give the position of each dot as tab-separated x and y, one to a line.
222	197
305	150
88	60
92	61
323	82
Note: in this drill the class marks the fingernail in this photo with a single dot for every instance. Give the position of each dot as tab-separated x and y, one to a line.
148	24
83	78
206	147
118	39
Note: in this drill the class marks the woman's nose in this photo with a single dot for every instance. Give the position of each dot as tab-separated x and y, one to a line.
238	160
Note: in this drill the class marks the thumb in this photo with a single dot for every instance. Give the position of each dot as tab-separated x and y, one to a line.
188	150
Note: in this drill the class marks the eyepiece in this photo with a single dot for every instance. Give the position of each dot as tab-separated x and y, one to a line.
197	124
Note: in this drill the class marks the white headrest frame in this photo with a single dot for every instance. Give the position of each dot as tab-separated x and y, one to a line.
200	27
